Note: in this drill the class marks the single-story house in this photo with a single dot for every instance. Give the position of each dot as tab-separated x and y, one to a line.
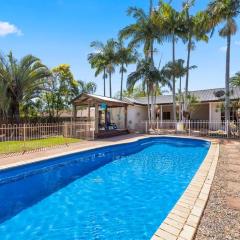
208	107
130	113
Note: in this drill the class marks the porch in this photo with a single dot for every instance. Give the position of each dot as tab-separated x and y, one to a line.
99	111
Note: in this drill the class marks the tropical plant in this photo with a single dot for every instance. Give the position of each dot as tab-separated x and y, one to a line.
178	70
143	31
171	21
137	91
61	88
110	55
99	62
150	77
192	102
235	80
20	81
196	29
124	57
87	87
225	12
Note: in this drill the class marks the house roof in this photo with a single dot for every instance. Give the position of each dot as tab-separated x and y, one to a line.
207	95
86	98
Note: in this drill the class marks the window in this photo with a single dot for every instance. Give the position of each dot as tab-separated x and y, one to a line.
232	115
166	116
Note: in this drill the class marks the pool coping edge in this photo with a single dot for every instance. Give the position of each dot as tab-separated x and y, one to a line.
183	220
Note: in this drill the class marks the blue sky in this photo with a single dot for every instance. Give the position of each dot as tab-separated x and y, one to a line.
60	31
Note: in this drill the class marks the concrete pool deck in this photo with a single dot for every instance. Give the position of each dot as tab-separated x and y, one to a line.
183	220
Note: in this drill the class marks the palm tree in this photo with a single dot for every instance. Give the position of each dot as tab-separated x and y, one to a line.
143	31
225	12
171	21
23	80
235	80
98	61
178	70
4	100
196	28
124	56
87	87
111	60
150	77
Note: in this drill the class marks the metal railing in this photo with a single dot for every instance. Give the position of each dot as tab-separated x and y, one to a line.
216	129
27	137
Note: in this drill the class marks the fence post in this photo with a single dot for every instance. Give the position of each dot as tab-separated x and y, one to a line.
227	128
146	127
189	127
24	137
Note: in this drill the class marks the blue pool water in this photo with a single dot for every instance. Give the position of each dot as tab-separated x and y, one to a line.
119	192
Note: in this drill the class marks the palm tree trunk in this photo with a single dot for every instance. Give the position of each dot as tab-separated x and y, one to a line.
110	84
180	99
150	7
121	90
104	81
152	105
227	90
174	83
148	94
187	74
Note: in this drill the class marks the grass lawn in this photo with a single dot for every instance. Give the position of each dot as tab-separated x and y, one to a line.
20	146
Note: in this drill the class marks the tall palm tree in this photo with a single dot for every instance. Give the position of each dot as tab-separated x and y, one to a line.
171	21
98	61
124	57
143	31
111	60
178	70
196	29
150	77
24	80
225	12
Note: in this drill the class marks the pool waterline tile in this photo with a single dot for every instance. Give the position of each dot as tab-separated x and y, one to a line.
193	201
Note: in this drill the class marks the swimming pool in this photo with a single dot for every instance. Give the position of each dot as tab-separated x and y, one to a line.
117	192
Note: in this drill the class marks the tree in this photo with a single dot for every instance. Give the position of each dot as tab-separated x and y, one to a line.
111	60
178	70
22	80
98	61
196	29
235	80
61	88
88	87
143	31
171	21
124	57
149	76
192	102
225	12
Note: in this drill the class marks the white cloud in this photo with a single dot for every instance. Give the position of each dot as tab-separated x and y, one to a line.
223	48
7	28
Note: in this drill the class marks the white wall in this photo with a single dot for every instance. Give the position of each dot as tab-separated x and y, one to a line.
136	115
215	116
117	116
214	111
